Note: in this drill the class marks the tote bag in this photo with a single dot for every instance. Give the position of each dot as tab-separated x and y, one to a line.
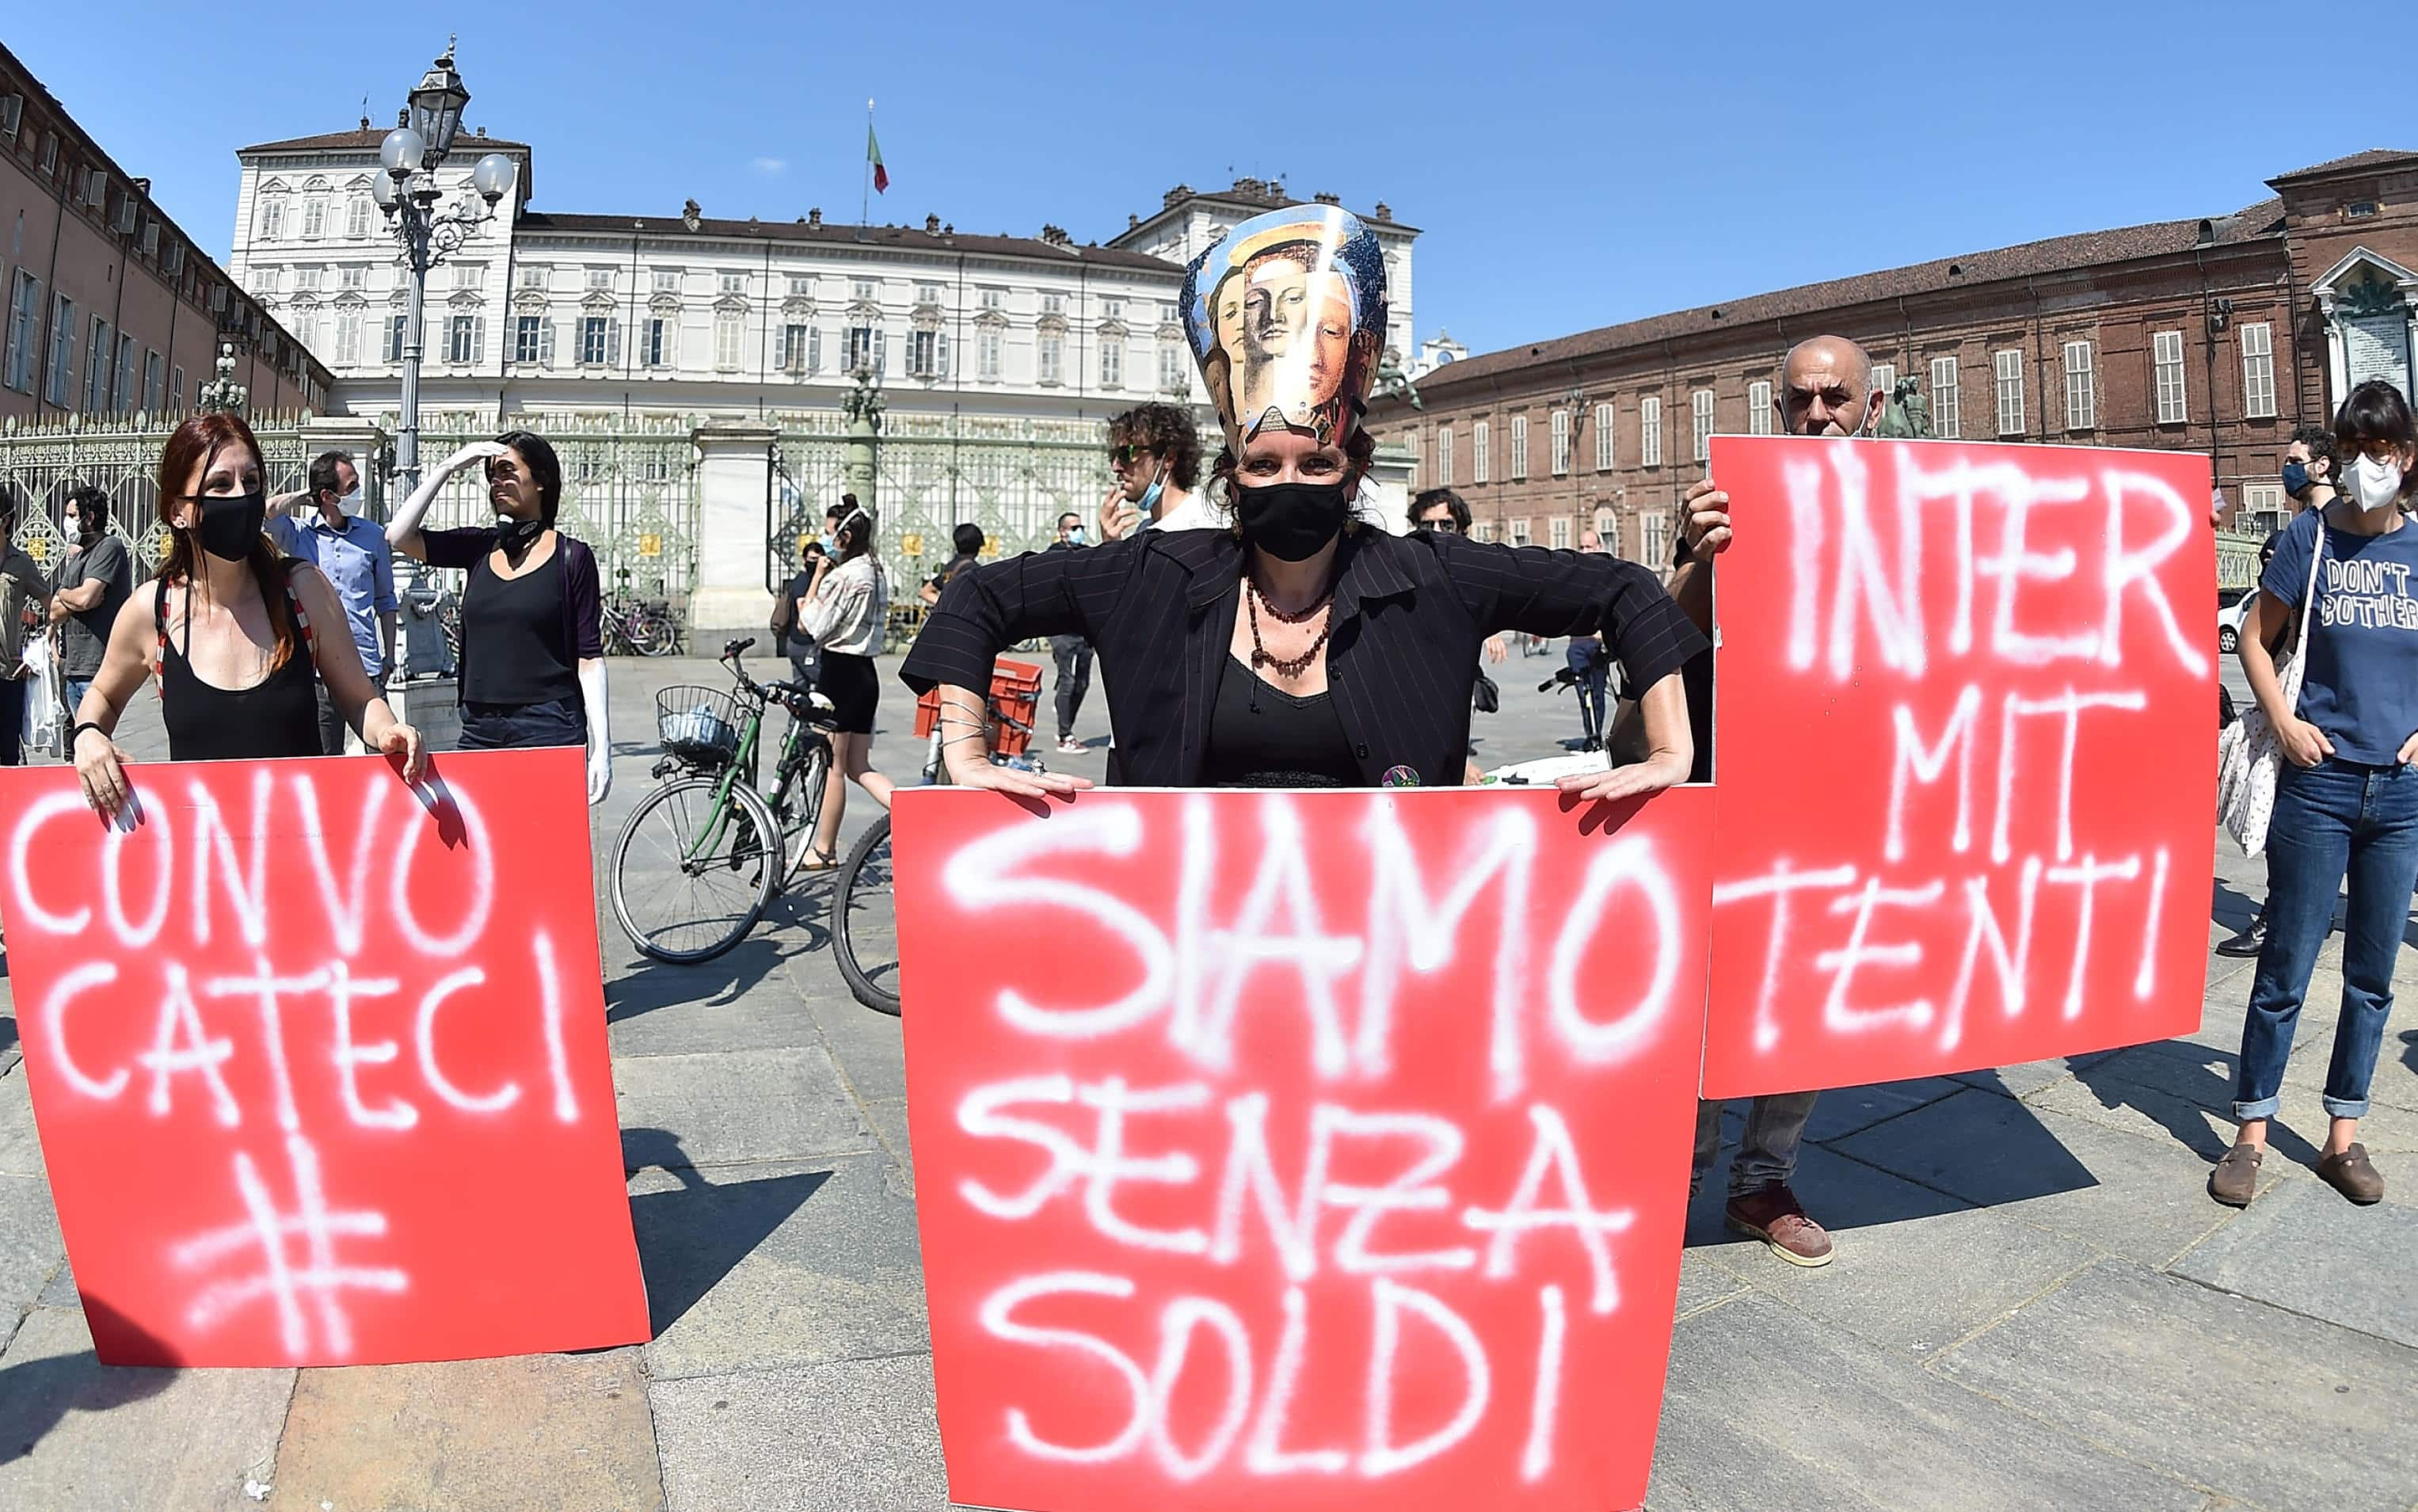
2248	754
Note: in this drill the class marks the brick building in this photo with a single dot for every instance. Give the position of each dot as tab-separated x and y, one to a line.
106	306
2218	336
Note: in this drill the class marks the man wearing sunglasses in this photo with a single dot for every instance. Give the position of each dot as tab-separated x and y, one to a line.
1155	450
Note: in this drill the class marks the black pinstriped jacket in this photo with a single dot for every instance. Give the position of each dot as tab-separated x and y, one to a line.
1411	613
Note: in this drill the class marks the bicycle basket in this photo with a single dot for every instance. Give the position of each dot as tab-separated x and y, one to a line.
698	724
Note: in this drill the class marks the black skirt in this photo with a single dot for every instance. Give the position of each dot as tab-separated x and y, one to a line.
854	687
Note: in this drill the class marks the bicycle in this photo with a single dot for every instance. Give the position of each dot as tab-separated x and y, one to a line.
865	909
728	847
634	626
641	625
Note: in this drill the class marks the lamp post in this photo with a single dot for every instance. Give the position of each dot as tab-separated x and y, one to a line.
405	190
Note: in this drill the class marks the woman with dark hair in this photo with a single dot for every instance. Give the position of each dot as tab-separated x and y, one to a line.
230	622
1298	645
846	611
532	630
2346	796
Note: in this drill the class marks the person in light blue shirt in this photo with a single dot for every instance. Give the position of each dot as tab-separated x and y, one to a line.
354	555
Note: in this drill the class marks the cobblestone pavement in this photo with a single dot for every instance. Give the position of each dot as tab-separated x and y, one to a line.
2035	1304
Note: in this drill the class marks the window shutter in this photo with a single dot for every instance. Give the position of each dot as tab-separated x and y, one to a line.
942	368
612	343
814	349
882	354
544	343
478	339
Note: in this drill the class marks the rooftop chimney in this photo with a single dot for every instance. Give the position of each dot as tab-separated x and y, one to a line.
815	216
691	215
931	225
1383	211
1180	192
1324	198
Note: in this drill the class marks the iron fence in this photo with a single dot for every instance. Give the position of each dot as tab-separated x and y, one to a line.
120	456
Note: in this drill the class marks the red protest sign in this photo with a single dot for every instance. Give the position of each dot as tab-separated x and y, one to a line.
1965	723
318	1061
1294	1151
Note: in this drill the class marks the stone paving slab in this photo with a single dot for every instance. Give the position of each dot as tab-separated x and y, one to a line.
851	1436
2129	1195
534	1432
2250	1400
1914	1270
755	1266
21	1148
1843	1111
30	1246
2304	1247
732	1106
76	1434
2028	1076
1765	1407
869	1048
889	1119
718	1005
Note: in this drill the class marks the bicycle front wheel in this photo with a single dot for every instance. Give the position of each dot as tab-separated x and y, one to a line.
864	921
691	873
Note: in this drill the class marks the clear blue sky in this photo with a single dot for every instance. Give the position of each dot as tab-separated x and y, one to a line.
1570	164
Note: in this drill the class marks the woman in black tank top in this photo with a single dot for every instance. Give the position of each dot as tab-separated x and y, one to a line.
229	624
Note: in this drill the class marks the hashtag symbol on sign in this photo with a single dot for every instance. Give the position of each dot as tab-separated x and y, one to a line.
285	1279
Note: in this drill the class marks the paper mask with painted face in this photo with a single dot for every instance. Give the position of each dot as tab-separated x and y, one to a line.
1285	315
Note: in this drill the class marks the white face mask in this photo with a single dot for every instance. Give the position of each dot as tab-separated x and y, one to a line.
2374	482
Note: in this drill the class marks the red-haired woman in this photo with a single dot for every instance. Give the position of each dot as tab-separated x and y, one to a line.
229	622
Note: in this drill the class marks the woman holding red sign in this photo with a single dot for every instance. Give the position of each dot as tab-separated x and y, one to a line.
2344	581
1300	646
228	621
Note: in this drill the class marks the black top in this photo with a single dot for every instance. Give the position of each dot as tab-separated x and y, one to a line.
1411	613
1261	736
578	602
277	716
516	623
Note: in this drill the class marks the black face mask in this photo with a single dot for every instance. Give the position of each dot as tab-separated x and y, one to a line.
1290	521
517	536
230	524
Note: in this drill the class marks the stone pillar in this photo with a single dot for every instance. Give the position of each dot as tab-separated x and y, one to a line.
359	436
734	477
1389	482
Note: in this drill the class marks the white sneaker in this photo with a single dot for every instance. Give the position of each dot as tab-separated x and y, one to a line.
1070	746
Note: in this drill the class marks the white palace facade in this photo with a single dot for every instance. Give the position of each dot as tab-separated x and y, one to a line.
684	314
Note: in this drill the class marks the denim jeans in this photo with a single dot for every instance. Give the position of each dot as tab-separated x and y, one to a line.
2333	820
1766	1155
1587	657
519	726
73	689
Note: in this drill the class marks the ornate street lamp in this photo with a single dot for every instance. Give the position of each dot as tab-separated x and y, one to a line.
406	192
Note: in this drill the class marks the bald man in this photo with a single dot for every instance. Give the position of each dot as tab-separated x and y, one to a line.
1826	389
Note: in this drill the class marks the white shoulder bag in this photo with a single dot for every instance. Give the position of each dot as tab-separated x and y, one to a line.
2248	754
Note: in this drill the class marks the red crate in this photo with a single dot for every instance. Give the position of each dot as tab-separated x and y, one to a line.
1015	687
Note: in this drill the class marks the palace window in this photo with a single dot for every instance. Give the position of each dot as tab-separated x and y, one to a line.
466	339
1947	420
2009	366
729	340
1649	432
987	345
1112	364
1444	456
1700	416
1518	460
1603	448
1558	533
1053	356
528	340
2258	371
1758	408
2081	393
1561	453
659	346
2166	362
1171	367
1481	453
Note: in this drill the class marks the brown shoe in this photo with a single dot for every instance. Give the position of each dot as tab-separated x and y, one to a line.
2235	1180
2350	1175
1775	1216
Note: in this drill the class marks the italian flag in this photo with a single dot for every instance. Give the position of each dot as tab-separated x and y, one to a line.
873	155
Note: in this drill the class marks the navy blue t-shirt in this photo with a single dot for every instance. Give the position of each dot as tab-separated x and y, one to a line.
2360	685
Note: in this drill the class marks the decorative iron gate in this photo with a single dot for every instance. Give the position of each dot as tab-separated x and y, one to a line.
121	457
628	490
933	472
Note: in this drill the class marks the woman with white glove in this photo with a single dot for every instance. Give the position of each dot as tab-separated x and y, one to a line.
532	635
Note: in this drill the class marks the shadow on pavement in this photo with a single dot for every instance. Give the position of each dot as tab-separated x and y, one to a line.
650	984
2196	1080
8	1033
691	1237
2231	906
36	1394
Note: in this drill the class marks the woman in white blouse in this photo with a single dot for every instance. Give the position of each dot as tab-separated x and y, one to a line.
846	611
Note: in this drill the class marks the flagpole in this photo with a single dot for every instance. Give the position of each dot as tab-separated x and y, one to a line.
864	213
